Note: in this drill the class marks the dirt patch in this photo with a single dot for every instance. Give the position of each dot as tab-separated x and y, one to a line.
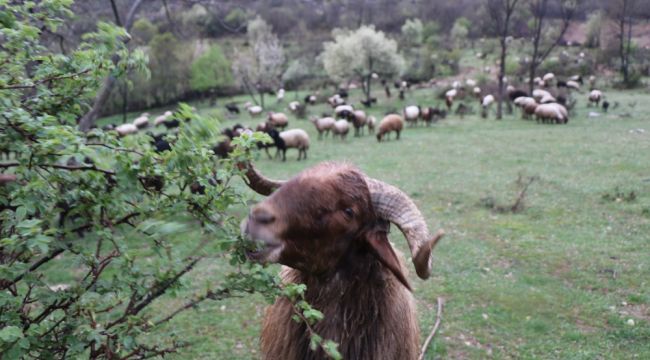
638	311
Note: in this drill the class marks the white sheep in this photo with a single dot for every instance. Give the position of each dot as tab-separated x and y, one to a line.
255	110
477	92
141	121
488	100
295	139
372	121
595	96
551	113
470	83
126	129
548	78
280	95
294	106
538	94
571	84
341	128
323	125
411	114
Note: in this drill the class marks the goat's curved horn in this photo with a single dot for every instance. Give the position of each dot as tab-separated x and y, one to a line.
392	204
258	182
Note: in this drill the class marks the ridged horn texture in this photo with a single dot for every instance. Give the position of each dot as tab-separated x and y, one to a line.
391	204
258	182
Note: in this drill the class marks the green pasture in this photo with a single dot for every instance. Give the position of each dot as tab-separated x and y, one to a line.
568	277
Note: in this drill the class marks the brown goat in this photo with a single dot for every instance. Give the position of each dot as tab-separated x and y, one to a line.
328	226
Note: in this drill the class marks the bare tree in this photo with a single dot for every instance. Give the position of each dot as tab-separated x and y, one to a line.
88	120
622	13
539	11
501	12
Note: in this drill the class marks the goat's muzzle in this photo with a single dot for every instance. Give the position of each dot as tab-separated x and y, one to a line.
264	247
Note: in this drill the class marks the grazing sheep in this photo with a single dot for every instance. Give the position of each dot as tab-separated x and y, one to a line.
310	99
232	108
126	129
328	226
336	100
487	102
477	92
341	128
368	103
255	110
553	113
277	120
141	121
470	83
323	125
547	99
291	139
294	106
346	111
159	143
372	121
280	95
171	124
595	96
359	120
527	105
411	114
548	79
391	122
573	85
449	98
538	94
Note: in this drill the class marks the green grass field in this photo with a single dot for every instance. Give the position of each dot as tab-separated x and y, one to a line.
566	278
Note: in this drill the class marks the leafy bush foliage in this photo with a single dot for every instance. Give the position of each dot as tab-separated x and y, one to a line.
130	224
211	71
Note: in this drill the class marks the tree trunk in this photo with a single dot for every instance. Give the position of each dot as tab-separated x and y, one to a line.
502	72
88	120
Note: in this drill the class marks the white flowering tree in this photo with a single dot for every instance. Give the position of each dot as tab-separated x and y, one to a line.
360	53
259	69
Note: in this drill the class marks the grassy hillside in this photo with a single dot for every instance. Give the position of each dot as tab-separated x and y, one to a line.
564	278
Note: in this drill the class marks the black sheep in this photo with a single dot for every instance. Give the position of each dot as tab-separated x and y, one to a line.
232	108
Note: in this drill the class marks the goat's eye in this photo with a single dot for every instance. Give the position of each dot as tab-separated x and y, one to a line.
349	213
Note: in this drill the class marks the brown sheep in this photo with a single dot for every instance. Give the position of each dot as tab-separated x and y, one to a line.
329	227
391	122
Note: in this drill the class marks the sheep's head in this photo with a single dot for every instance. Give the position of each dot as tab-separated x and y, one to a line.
313	220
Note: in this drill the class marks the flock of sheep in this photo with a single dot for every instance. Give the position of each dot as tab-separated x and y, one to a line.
550	102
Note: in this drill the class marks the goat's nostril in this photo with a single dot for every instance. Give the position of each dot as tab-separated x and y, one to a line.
263	216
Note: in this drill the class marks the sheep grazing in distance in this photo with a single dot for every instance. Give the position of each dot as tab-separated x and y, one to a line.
159	143
359	120
346	111
573	85
280	95
341	128
141	121
336	100
323	125
368	103
551	113
232	108
277	120
577	78
471	83
291	139
487	102
539	94
160	120
294	106
254	110
595	96
477	92
548	79
310	99
411	114
389	123
372	121
328	226
449	98
126	129
527	105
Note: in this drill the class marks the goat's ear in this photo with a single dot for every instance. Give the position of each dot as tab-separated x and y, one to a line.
378	243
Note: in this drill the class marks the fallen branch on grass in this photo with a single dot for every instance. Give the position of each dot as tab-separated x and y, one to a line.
441	302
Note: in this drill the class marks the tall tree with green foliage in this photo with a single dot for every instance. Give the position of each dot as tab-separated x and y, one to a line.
95	229
211	72
360	53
